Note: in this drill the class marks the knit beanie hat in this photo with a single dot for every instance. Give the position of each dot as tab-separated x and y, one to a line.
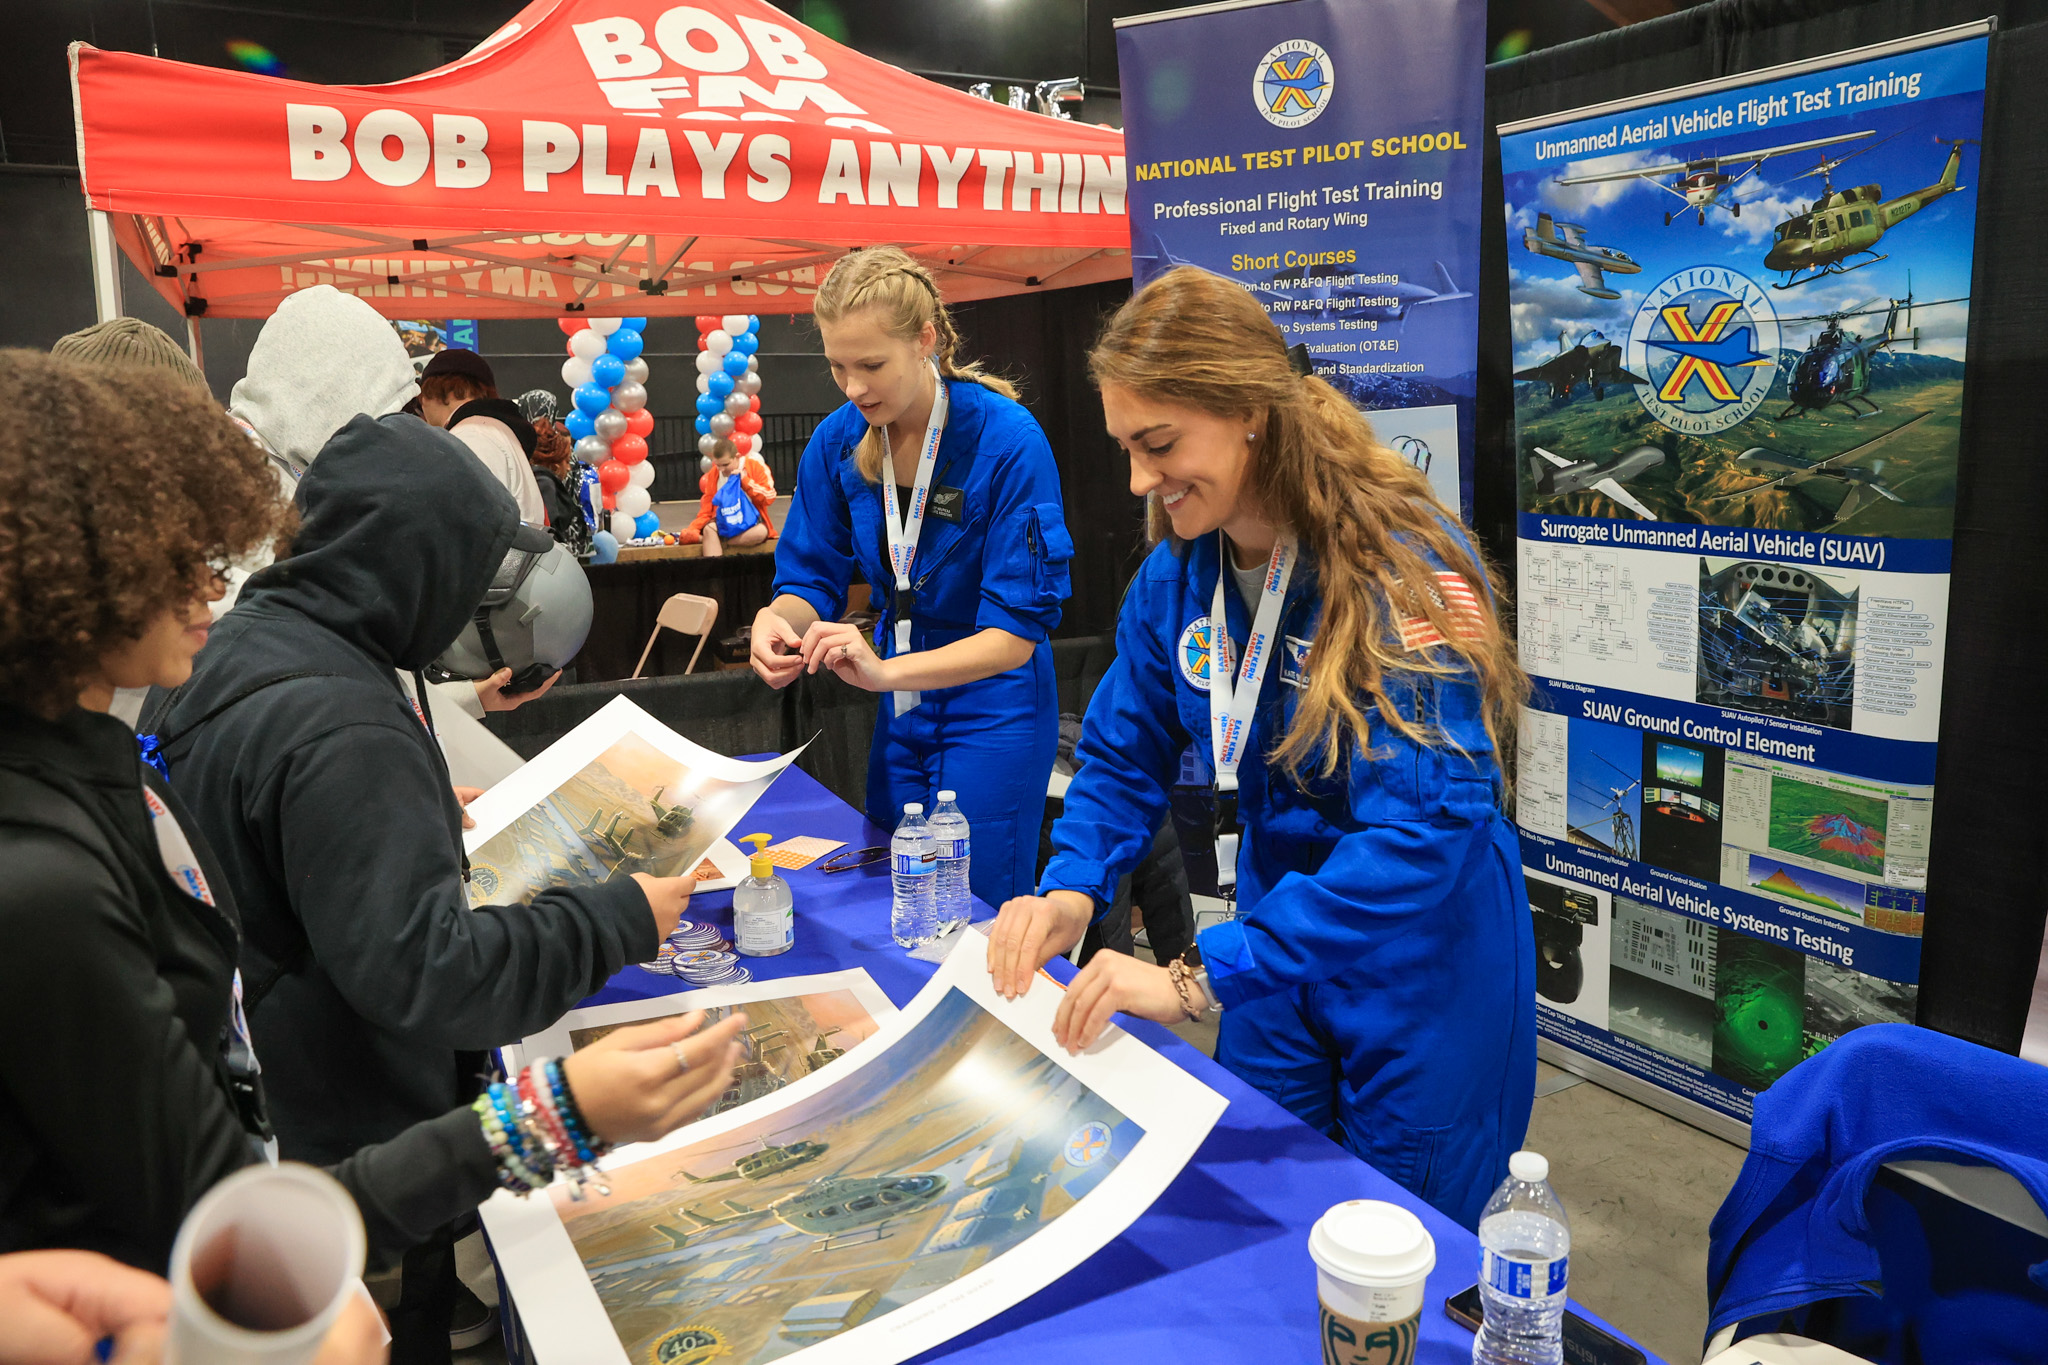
130	341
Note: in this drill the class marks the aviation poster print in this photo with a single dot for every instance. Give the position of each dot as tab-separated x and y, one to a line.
1739	313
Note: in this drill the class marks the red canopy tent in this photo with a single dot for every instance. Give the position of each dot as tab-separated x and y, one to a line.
606	157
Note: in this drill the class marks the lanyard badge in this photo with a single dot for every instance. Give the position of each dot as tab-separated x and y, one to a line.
903	530
1231	706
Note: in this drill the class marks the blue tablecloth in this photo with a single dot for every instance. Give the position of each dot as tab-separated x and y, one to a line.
1218	1269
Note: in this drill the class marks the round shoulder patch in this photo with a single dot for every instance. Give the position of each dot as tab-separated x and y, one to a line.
1194	653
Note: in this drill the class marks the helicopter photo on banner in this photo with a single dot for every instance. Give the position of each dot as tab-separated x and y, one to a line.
1740	313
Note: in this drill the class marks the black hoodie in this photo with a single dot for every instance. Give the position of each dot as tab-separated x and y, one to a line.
329	804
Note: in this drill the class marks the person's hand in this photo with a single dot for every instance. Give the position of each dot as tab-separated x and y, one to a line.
56	1305
667	897
777	653
637	1084
843	647
357	1336
1109	983
492	696
463	796
1031	930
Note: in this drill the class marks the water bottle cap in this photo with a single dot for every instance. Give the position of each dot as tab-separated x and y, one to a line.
1529	1166
947	796
1372	1243
913	808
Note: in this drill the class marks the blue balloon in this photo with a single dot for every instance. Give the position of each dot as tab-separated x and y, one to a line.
703	425
645	525
633	324
735	361
708	406
625	344
604	548
607	370
745	344
580	424
720	385
753	323
592	399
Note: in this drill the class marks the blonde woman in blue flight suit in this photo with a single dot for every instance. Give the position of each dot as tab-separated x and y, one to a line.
935	485
1378	980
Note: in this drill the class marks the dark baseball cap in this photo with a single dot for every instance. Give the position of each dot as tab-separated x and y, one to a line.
468	364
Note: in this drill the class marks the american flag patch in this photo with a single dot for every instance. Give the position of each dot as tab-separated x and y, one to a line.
1462	604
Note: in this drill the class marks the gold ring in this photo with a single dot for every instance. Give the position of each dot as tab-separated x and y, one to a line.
682	1062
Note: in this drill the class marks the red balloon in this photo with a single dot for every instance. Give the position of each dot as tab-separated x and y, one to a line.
707	322
741	441
754	403
613	476
640	423
629	450
610	503
571	326
748	422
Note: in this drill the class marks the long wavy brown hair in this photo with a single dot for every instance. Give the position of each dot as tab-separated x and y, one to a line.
121	491
1371	528
904	297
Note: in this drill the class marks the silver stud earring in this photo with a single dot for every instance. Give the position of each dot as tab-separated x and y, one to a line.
1251	436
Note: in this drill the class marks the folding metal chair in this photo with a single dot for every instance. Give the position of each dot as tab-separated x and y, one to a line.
687	614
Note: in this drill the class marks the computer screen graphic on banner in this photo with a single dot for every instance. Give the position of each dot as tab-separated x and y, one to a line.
1739	319
1327	158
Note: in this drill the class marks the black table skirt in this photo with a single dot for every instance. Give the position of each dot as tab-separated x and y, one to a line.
626	597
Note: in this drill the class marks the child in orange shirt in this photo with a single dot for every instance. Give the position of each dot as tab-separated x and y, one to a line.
738	491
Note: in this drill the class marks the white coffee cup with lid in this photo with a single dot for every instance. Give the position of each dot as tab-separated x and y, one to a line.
1372	1259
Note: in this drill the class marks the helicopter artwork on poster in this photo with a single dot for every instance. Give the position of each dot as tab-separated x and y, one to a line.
1740	317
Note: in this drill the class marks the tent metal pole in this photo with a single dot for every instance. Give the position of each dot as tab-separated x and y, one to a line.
106	265
192	344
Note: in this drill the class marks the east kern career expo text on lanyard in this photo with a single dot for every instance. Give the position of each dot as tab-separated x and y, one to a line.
1231	707
903	530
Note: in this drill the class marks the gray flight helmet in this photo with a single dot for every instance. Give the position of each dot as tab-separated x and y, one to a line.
533	619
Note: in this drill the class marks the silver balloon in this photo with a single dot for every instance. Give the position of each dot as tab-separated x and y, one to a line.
636	371
593	450
753	364
748	384
704	461
629	397
704	444
721	425
735	404
611	425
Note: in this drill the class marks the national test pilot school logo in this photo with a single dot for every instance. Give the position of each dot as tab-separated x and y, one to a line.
1193	653
1087	1144
1292	83
1707	339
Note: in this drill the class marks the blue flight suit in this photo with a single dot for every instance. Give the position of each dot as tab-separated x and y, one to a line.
1002	564
1379	981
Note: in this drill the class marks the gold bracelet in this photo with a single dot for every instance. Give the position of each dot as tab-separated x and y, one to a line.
1177	972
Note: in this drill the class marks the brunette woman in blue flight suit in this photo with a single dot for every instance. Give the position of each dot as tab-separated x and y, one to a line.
1378	980
971	588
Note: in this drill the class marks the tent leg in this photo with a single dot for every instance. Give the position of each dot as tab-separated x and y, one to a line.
192	344
106	265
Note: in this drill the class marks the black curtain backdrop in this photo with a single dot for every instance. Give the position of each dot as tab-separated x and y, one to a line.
1986	900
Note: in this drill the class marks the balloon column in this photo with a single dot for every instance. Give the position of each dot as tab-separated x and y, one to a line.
728	382
610	422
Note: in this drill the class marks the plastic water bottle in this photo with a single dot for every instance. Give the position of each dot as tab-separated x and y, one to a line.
913	910
950	840
1525	1254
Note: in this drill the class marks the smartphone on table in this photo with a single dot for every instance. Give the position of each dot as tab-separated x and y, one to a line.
1584	1344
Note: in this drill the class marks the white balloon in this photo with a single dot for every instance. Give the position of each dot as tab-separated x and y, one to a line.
610	425
641	473
629	398
734	323
708	363
636	370
703	383
632	501
576	372
622	527
717	343
604	327
587	344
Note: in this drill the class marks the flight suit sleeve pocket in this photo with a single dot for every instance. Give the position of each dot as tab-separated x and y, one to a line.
1052	549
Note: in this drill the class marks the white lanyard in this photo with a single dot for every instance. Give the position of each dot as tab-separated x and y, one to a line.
1231	707
903	531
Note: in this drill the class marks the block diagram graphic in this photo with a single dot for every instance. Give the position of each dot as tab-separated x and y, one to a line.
1577	605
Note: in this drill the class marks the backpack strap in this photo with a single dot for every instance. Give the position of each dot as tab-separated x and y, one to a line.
156	744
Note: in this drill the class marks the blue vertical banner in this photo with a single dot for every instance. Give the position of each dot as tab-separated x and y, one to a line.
1326	155
1740	317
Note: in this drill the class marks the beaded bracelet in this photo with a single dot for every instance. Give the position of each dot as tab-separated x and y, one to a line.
534	1130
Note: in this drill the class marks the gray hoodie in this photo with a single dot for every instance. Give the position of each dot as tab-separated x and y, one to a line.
323	357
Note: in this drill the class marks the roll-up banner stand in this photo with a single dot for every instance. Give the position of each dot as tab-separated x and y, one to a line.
1739	312
1327	157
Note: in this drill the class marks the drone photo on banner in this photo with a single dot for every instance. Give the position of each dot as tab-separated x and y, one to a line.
1739	322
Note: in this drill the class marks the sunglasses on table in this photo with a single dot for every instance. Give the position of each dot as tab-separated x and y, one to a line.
853	858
